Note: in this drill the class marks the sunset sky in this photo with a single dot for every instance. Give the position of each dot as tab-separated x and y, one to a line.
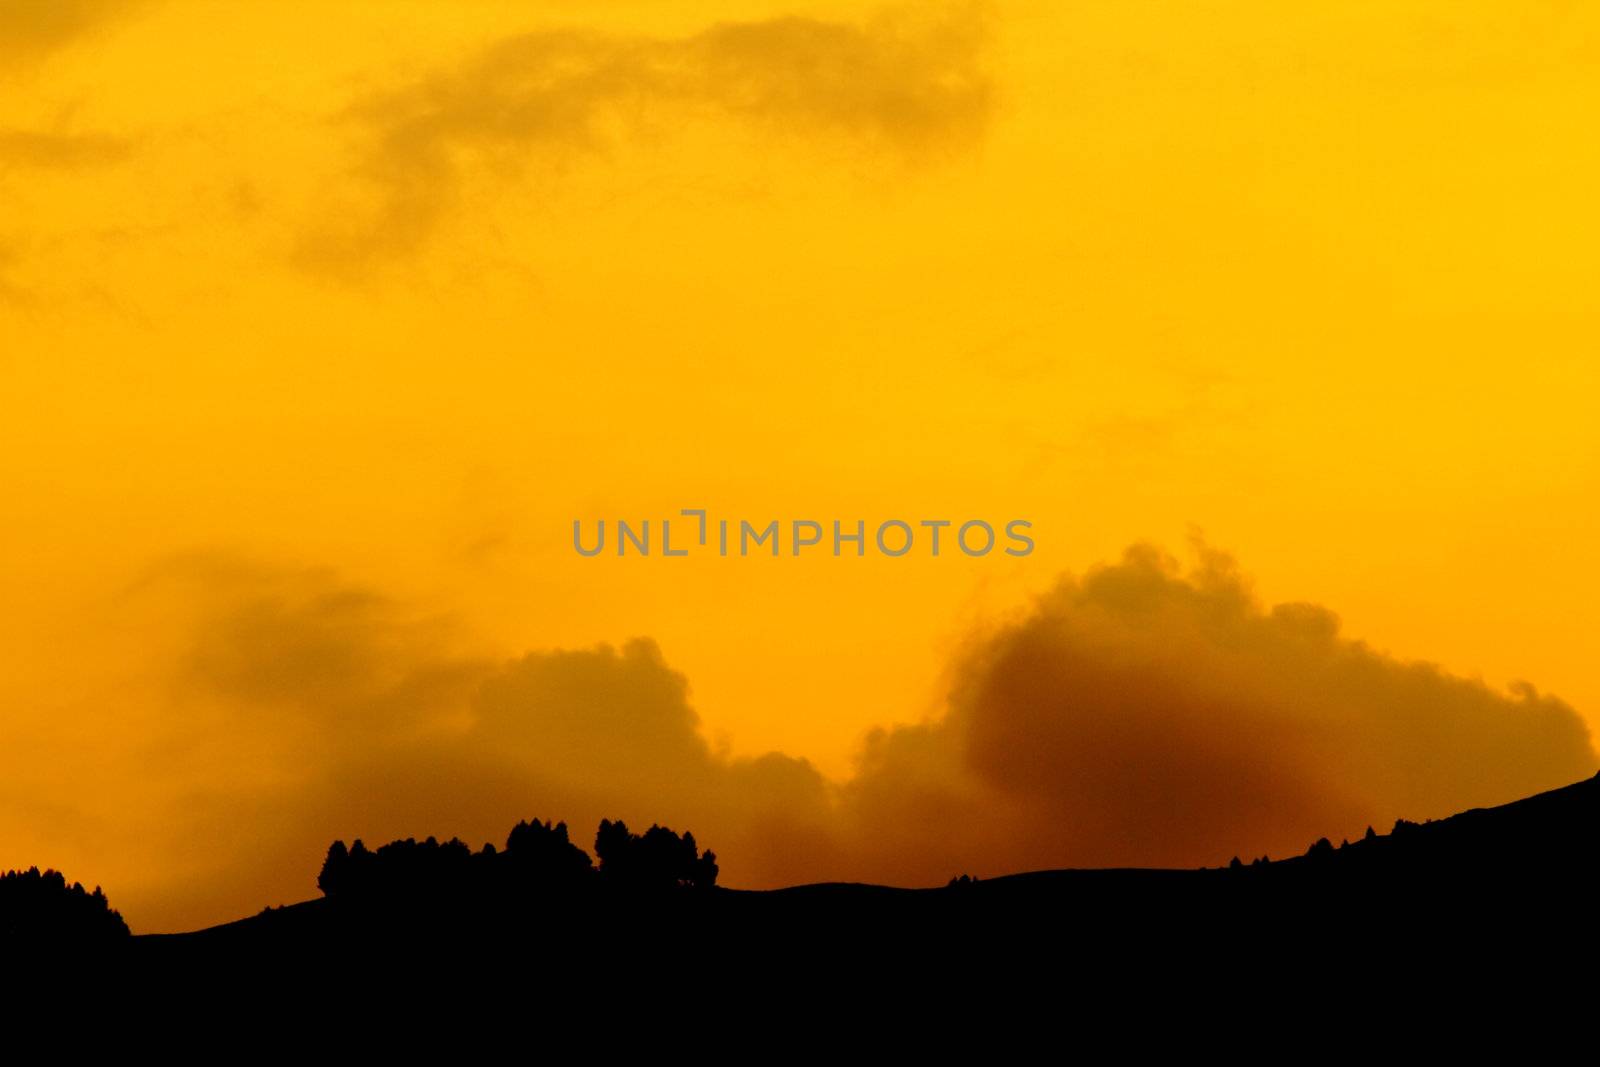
320	324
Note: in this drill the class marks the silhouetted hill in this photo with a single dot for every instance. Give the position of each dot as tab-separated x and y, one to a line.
1452	919
1487	876
1432	930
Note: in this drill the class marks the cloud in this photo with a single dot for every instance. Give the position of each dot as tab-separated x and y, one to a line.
1145	716
329	710
544	98
1137	715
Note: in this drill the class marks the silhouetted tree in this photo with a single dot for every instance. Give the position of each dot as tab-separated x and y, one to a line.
334	869
540	852
656	860
612	847
433	877
705	870
39	906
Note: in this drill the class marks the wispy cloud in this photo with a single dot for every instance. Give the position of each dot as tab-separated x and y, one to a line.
28	156
33	29
57	149
541	98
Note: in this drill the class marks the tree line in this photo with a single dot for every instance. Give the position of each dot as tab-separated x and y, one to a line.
538	856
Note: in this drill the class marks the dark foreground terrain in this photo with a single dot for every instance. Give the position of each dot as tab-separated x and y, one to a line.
1486	897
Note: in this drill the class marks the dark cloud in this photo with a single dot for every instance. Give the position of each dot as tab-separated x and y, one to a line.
541	98
1142	716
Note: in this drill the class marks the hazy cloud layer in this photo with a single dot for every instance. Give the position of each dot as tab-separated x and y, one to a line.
536	99
25	154
8	256
52	148
1137	715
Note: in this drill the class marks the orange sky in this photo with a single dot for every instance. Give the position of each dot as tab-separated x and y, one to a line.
307	301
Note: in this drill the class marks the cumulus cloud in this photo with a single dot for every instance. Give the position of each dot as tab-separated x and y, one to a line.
542	97
329	710
1145	716
1139	714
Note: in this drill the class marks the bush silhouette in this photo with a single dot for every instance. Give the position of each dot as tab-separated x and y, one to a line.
40	906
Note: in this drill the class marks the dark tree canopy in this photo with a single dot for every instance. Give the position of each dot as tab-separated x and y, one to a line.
542	851
539	857
656	859
42	906
404	869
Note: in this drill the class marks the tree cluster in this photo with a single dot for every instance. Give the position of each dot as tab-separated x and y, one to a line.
655	859
539	857
41	906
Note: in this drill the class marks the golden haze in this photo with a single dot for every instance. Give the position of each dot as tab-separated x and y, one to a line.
320	323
